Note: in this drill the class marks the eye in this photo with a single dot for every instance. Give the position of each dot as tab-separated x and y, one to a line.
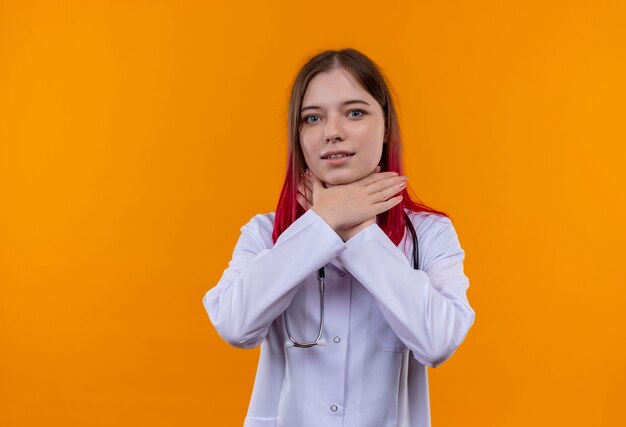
306	119
361	112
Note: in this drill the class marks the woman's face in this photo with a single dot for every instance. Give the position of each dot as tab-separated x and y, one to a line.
339	115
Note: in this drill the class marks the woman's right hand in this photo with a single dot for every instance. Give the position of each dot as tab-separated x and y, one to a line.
347	205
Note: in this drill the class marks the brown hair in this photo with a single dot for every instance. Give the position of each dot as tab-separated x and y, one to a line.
370	77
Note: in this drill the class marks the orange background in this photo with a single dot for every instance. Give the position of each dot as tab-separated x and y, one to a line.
137	137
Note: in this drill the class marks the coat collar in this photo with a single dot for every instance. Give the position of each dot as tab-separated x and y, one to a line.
338	265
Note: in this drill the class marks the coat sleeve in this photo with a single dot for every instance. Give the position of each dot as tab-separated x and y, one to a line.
428	309
261	279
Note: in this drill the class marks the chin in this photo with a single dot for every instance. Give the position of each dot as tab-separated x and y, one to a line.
342	178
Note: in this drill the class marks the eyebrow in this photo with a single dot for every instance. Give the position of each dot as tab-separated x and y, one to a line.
351	101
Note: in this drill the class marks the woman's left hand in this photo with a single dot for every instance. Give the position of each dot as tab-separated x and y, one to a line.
305	199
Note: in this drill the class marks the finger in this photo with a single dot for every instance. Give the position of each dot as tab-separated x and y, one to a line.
388	204
390	192
305	195
387	187
301	201
309	186
303	185
317	183
306	179
306	189
306	198
306	182
300	190
377	176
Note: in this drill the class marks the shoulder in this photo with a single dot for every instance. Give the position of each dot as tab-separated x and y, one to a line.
428	224
437	237
261	226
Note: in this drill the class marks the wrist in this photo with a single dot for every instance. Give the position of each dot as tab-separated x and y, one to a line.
327	218
353	231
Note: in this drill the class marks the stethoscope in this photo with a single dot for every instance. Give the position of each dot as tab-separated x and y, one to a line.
320	276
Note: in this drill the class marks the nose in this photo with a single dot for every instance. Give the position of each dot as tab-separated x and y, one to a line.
332	132
332	138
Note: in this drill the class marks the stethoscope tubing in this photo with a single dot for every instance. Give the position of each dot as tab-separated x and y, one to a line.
320	275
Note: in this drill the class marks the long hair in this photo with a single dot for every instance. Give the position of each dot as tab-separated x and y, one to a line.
369	76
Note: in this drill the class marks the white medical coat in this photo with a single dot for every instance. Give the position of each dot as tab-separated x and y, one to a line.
384	321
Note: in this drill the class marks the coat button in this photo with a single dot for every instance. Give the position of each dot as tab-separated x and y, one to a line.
333	408
336	339
342	274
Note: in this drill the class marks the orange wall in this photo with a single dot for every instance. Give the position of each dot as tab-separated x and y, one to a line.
137	137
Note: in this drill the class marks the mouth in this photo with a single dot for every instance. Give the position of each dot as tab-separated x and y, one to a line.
337	156
337	159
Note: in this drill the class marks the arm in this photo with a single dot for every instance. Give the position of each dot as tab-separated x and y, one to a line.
428	310
260	283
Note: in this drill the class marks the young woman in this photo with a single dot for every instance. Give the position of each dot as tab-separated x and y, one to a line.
351	288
